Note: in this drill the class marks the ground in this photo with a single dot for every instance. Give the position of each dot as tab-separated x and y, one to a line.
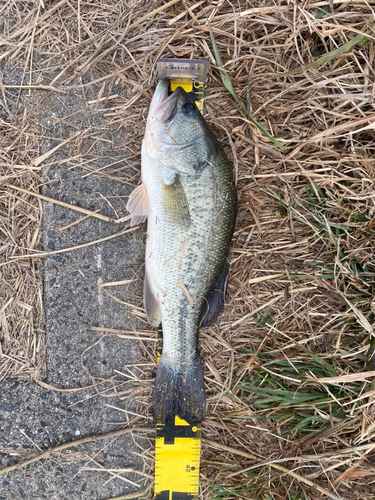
34	417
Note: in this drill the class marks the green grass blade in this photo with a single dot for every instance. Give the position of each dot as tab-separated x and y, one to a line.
323	12
347	47
323	363
228	85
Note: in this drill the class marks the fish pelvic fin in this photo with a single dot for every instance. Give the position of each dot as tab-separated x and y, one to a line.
179	391
138	205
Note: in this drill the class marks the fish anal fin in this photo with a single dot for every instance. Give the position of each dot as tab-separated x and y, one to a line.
214	305
176	206
138	205
152	305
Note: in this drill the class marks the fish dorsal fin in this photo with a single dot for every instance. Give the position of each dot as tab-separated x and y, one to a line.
214	305
151	303
176	206
138	205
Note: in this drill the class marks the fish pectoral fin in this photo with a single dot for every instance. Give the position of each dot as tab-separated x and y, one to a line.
151	303
214	305
138	205
176	206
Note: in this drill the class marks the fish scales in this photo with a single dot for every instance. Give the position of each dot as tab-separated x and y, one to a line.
193	258
188	197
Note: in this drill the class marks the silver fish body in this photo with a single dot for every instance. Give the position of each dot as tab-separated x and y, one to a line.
188	197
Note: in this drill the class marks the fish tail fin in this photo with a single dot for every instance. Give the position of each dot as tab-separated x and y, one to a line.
179	391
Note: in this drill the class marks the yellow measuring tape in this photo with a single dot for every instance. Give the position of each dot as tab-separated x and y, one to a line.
177	459
177	455
194	89
178	444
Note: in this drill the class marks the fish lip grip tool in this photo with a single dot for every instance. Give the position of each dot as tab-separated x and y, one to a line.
190	74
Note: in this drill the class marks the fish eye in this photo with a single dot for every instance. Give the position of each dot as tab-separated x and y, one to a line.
187	108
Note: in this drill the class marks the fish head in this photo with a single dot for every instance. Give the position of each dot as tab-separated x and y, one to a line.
174	120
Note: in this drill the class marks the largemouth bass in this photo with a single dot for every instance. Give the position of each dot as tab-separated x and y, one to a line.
187	194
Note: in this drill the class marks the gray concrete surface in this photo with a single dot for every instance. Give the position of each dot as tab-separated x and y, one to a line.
31	416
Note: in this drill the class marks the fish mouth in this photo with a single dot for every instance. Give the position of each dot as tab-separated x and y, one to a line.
167	106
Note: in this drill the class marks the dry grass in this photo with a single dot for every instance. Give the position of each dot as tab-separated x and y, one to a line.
290	412
22	339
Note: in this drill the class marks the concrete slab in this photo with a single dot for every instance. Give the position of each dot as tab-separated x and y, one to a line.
30	415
